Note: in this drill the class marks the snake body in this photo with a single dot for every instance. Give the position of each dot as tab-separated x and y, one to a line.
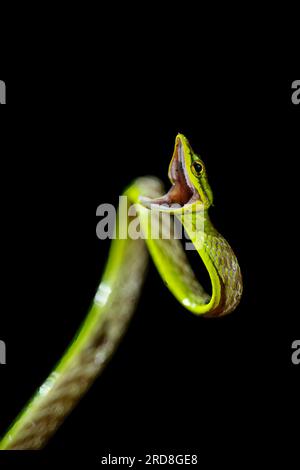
121	285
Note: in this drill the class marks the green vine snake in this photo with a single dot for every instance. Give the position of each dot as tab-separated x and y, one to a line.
188	202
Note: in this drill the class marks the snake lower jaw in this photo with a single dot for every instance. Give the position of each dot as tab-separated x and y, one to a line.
166	204
194	205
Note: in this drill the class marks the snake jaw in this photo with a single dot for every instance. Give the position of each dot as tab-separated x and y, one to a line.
182	194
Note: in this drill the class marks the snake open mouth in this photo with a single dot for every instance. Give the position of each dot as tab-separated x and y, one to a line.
182	193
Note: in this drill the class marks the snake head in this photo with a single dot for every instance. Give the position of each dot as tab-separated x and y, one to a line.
190	188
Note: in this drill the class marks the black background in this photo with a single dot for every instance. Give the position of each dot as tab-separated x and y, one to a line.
223	388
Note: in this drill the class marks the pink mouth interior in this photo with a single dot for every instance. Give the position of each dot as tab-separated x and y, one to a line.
182	191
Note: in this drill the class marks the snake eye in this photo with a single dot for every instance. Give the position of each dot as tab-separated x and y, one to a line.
197	168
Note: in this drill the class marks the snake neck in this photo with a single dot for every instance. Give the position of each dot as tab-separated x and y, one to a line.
219	259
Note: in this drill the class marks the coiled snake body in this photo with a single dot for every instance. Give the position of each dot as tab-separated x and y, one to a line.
188	202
